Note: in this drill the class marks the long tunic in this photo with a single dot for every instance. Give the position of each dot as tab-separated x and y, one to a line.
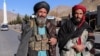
65	42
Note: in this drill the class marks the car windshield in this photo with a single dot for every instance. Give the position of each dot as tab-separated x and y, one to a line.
4	26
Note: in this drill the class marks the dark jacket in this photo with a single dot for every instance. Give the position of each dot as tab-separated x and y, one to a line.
67	32
23	47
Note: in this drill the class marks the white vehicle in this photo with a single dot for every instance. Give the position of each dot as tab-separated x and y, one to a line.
4	27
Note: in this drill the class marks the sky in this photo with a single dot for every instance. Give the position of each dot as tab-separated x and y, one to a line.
26	6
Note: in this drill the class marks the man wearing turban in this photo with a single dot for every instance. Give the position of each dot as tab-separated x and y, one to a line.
75	37
40	40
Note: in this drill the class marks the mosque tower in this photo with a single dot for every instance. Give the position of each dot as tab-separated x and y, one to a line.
4	13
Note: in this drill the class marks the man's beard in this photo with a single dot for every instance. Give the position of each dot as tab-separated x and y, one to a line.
76	21
41	21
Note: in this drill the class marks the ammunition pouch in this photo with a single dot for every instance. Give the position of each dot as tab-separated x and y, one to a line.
40	43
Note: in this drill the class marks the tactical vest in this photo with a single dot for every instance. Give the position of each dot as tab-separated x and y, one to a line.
38	42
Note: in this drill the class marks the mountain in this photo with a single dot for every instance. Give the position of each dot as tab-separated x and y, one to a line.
60	11
91	5
10	16
63	10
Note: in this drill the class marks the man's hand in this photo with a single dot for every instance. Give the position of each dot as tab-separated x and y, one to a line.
53	41
79	48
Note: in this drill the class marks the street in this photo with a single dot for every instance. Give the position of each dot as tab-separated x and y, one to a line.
97	37
9	42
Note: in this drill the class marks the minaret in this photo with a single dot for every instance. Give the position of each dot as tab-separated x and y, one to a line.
4	13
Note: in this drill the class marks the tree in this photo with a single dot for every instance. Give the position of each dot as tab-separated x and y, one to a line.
19	21
26	18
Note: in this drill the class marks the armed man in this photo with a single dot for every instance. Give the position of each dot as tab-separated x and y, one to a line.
40	39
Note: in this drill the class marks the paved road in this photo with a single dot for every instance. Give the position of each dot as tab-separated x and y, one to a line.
97	40
8	42
97	37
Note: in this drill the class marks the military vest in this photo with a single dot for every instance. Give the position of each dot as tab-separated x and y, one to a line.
38	42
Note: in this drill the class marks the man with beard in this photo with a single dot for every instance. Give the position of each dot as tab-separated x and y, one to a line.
40	40
75	37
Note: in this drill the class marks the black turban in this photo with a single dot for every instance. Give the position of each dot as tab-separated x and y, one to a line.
40	5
